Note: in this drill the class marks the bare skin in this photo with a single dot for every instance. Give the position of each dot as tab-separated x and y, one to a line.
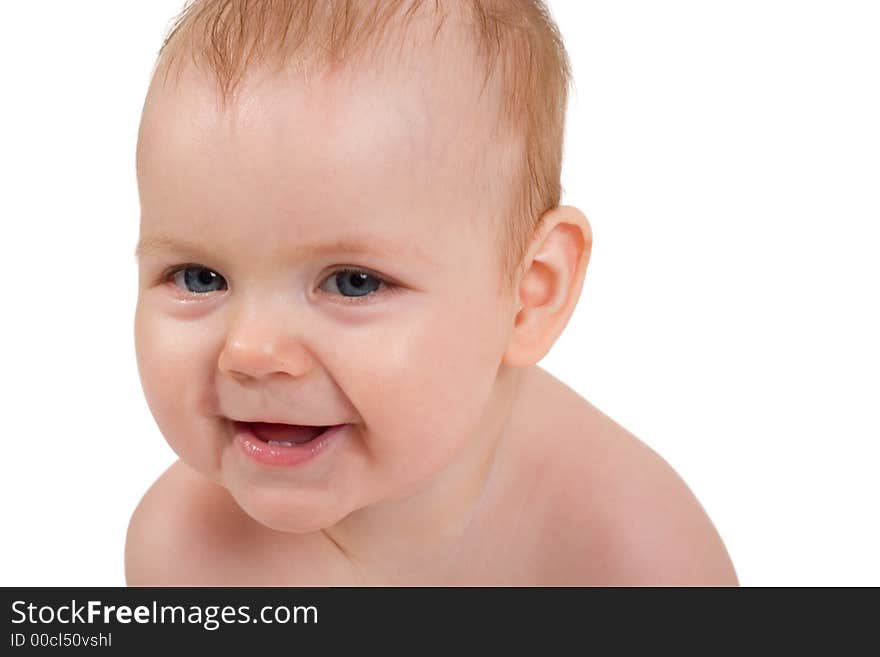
598	507
463	462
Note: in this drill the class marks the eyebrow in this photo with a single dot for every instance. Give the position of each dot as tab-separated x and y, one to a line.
150	244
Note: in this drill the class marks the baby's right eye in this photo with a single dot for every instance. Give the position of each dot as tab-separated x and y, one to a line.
196	279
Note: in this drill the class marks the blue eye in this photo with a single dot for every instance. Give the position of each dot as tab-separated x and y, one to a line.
355	283
352	285
197	279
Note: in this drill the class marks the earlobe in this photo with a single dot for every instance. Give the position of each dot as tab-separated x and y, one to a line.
550	285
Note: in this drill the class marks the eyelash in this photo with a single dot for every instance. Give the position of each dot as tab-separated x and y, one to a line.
385	286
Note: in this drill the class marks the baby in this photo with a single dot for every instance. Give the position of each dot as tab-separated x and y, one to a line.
351	258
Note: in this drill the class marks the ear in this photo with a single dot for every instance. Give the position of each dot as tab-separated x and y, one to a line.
550	285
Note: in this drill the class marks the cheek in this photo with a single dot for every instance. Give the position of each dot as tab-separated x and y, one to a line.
426	381
175	363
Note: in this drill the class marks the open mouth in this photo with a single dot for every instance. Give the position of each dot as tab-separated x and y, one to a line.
285	445
282	435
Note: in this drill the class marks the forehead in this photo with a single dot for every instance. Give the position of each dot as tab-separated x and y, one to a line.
406	149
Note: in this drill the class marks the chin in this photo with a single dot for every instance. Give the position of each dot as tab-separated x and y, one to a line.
278	509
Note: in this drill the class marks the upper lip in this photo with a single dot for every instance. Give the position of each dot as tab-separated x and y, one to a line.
279	421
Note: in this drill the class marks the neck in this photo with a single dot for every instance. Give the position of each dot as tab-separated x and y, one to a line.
416	535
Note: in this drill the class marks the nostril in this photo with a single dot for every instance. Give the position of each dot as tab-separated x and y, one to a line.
241	377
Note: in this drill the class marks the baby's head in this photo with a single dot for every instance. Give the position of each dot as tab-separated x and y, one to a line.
349	216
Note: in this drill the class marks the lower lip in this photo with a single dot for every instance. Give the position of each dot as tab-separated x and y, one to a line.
281	455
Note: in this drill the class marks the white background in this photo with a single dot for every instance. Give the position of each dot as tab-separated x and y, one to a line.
728	157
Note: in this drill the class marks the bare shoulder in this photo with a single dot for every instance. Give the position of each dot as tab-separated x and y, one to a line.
620	514
175	532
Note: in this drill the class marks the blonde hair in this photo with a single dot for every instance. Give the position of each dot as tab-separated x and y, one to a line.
224	35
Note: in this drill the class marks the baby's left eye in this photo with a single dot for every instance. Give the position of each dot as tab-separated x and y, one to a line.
354	283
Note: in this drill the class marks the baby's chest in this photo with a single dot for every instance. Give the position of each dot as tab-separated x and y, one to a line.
233	564
521	556
245	554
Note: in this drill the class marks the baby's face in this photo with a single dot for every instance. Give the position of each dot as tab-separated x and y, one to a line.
250	219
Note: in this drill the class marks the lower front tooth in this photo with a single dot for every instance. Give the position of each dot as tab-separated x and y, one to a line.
281	442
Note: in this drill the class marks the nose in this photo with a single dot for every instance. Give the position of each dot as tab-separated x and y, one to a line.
258	347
